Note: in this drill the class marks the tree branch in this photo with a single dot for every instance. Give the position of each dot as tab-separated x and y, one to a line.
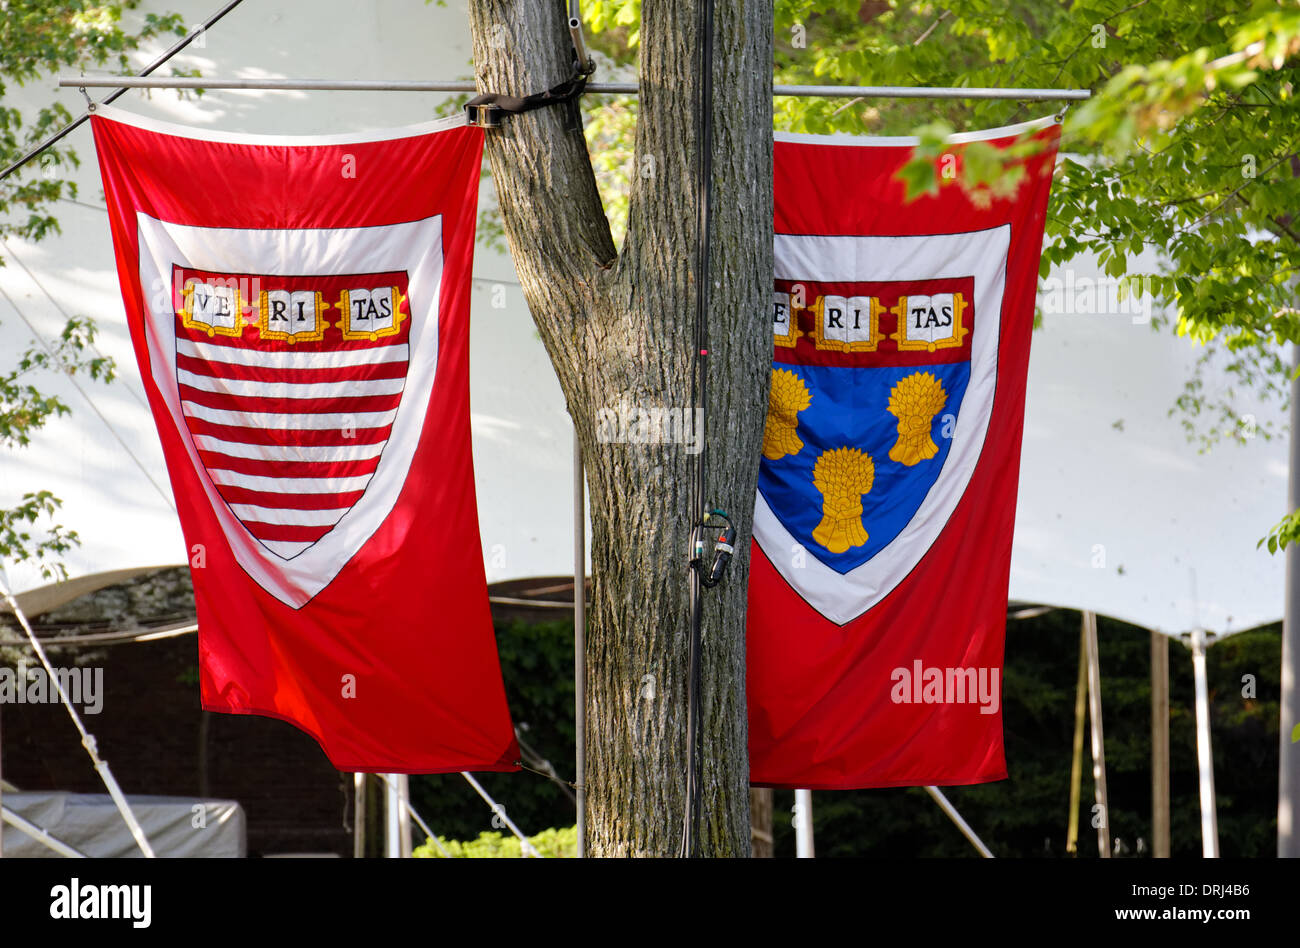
547	191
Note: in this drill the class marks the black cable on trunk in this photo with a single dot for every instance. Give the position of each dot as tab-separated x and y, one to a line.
699	389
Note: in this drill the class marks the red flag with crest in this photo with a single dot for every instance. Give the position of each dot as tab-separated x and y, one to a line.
887	486
299	309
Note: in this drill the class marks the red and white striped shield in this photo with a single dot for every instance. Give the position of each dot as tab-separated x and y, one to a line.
289	387
294	383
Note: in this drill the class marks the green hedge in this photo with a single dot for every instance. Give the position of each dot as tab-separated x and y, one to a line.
552	844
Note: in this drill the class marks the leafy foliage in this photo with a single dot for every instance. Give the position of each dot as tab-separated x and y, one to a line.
1188	148
23	410
550	844
17	542
37	38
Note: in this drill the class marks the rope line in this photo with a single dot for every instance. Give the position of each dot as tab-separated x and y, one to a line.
551	777
87	739
63	312
90	401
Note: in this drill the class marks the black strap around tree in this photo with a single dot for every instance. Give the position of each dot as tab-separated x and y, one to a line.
486	109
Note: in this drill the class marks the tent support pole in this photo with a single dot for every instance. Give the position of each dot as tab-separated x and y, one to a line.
1204	752
526	848
404	815
392	824
1098	740
1076	760
580	641
40	835
803	825
87	739
1160	745
958	821
358	816
1288	784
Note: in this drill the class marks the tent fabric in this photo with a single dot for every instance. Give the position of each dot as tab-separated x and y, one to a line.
90	823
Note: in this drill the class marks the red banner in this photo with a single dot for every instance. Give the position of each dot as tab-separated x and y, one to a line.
299	309
887	488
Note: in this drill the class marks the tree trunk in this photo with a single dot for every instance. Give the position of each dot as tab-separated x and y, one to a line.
619	330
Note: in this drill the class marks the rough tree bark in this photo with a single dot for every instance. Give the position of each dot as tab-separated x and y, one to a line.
618	328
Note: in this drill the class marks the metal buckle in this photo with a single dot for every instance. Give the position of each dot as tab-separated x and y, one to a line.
484	116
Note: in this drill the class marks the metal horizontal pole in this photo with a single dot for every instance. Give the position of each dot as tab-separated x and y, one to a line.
607	88
929	92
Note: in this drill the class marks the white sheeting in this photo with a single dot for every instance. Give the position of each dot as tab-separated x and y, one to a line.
91	824
1118	512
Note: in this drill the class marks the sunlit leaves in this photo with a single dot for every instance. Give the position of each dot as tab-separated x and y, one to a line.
37	39
44	547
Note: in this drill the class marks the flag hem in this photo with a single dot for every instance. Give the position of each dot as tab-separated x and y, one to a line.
160	127
500	766
887	141
851	784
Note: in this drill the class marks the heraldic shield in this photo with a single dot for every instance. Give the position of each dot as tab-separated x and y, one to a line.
291	386
882	384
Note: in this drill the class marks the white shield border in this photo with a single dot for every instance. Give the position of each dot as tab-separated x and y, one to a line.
842	597
414	247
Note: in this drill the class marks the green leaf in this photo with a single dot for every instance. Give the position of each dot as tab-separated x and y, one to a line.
918	178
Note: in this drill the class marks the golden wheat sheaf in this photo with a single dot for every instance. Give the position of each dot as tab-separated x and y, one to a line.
914	401
786	398
843	476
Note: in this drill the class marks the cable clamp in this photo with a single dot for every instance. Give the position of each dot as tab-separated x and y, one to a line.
724	547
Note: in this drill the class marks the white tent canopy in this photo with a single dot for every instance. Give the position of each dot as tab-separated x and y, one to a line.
1175	530
1119	513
